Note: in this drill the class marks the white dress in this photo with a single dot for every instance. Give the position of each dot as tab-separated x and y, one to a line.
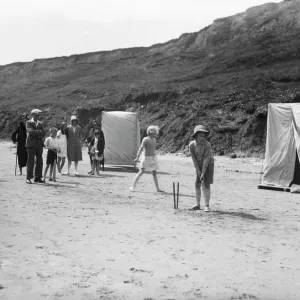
62	144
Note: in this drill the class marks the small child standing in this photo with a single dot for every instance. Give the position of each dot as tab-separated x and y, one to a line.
149	161
203	160
51	143
62	146
96	149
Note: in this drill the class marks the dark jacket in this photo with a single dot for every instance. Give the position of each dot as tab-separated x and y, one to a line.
35	134
100	146
19	136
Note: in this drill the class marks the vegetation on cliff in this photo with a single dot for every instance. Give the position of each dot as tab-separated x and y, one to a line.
222	76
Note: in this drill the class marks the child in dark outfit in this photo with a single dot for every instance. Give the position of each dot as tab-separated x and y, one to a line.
96	149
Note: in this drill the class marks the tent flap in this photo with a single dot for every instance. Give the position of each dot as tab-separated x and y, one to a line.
122	137
282	141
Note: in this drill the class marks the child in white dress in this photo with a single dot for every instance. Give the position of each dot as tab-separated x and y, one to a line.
51	143
62	147
149	162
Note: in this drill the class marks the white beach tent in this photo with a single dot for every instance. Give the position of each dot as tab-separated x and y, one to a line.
122	137
282	145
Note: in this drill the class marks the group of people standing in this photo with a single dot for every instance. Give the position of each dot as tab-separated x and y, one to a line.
30	137
66	143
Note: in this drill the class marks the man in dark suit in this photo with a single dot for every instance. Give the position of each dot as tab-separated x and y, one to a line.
34	146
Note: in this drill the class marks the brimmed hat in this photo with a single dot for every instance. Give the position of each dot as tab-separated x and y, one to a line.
25	116
35	111
200	128
73	118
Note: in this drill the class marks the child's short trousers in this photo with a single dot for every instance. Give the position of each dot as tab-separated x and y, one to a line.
51	157
208	176
149	163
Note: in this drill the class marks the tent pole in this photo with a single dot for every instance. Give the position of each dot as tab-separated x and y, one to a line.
261	170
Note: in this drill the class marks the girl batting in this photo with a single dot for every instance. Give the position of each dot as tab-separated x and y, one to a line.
203	160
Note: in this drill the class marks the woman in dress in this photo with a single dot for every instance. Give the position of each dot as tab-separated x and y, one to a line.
62	146
19	138
73	145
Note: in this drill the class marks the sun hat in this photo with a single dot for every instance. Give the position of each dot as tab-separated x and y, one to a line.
200	128
73	118
35	111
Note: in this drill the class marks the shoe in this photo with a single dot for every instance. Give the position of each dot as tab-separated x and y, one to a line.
66	173
132	189
207	209
50	179
76	174
20	173
54	180
91	173
59	173
159	191
28	181
196	207
39	180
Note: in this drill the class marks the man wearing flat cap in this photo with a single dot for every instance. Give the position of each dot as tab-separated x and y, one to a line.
34	146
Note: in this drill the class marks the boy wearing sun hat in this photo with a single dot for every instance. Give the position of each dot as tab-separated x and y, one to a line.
203	160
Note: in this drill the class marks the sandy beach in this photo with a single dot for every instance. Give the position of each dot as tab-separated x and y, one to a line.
91	238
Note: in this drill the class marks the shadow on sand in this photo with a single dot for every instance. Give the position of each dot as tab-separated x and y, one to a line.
238	214
131	170
164	193
55	185
69	182
99	177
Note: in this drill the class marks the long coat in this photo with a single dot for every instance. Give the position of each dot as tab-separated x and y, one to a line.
19	136
74	145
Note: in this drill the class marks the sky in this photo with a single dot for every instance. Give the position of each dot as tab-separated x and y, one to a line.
31	29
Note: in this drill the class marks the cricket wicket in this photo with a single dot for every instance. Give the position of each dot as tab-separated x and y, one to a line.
176	195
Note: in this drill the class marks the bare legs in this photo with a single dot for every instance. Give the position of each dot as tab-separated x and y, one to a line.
206	194
97	162
69	166
60	163
139	174
76	166
95	166
156	181
137	177
52	174
46	171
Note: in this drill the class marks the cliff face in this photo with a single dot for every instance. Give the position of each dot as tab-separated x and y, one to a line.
223	76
